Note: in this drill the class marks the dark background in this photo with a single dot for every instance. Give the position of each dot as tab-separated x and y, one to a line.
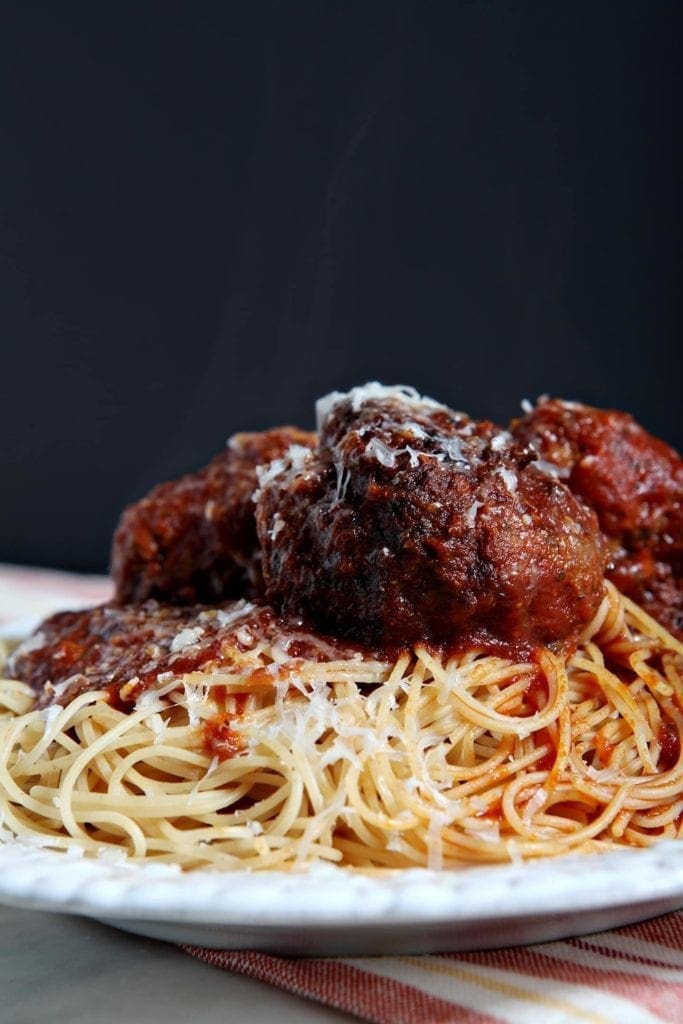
211	213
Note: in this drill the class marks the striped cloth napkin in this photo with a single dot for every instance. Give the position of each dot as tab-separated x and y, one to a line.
631	975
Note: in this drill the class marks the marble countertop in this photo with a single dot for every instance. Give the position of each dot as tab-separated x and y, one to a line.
58	968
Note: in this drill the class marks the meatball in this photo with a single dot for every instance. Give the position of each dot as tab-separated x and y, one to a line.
413	523
126	649
634	482
194	539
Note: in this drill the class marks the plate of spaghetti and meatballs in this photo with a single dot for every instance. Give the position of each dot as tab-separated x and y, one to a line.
410	668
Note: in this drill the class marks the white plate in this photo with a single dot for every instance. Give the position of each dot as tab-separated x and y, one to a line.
328	911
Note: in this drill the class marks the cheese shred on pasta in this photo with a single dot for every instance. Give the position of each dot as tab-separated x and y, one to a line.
373	765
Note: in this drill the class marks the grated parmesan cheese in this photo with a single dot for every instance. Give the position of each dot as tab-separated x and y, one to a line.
358	396
278	526
186	638
501	441
226	618
380	451
509	479
288	466
533	805
471	516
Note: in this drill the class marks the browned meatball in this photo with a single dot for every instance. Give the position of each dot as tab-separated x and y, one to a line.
635	484
413	523
194	539
125	649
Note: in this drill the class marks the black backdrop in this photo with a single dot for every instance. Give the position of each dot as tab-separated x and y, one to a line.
210	213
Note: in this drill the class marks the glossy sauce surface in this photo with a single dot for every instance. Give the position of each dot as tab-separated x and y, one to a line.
411	523
634	482
401	523
130	649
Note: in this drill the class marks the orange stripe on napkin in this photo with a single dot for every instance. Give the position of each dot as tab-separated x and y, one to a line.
371	997
632	974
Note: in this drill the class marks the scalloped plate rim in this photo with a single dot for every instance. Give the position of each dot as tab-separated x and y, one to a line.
328	896
322	898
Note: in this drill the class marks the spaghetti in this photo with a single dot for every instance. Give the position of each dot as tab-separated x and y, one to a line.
425	760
